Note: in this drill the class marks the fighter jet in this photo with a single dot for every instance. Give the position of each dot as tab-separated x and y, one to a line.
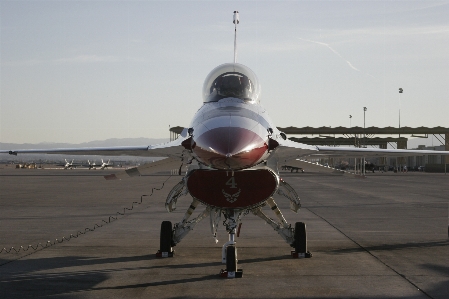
91	165
232	153
67	165
105	164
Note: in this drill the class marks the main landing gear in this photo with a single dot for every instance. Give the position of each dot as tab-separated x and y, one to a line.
171	235
297	237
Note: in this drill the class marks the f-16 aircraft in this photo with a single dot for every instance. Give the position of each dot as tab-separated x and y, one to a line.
91	165
67	165
105	164
232	153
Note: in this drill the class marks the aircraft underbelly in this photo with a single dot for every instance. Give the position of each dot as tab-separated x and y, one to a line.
243	189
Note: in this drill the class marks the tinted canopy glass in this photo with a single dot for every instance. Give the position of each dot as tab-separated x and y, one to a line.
231	80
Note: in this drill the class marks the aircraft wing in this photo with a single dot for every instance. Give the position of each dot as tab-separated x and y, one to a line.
288	149
169	149
299	165
160	150
174	152
149	168
374	152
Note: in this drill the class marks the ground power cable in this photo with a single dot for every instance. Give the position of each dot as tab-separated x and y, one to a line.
48	244
371	254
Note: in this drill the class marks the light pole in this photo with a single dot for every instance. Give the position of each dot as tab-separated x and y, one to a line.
364	139
355	144
364	135
400	91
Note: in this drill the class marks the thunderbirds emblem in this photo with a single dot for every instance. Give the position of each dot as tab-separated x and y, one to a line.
231	197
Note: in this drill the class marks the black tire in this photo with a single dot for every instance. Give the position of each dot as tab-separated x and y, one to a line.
300	237
166	236
231	259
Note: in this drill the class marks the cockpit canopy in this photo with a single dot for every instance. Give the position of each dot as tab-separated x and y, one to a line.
231	80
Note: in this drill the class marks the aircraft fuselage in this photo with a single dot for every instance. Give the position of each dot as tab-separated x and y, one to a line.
231	134
231	131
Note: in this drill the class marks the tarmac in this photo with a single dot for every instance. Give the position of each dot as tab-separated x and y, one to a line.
385	236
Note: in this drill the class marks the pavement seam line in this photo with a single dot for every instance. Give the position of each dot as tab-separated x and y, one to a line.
371	254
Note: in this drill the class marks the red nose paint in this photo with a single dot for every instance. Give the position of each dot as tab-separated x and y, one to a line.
230	148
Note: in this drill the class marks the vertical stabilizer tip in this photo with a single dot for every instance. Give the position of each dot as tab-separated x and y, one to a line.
235	21
236	17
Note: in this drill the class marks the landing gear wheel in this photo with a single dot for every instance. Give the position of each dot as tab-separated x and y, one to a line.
231	270
231	259
166	237
300	241
300	237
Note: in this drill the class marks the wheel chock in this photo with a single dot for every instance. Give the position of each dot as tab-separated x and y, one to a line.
231	274
301	255
165	254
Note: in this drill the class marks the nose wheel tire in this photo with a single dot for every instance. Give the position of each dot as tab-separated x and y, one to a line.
231	259
166	239
231	264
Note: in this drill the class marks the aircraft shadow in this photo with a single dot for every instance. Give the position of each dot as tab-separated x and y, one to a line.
26	279
191	265
390	247
70	261
23	278
46	285
163	283
264	259
219	264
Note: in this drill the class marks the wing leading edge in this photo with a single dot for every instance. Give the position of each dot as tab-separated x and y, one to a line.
292	150
169	149
374	152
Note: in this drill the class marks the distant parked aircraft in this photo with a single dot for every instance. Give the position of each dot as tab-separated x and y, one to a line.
91	165
67	165
105	165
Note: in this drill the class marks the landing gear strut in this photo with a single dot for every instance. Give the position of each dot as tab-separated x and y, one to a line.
171	235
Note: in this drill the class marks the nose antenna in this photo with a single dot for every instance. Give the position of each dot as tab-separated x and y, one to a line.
235	21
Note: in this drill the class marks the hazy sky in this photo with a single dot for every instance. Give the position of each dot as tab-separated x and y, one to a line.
76	71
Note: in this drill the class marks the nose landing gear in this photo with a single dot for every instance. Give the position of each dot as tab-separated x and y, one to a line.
229	252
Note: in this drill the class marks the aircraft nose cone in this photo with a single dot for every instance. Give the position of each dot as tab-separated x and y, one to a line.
230	148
